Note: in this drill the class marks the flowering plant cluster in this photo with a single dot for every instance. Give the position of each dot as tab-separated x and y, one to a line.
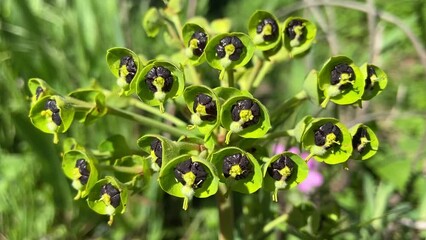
222	133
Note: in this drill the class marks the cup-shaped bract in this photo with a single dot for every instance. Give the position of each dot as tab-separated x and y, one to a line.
140	176
364	142
283	171
195	39
238	169
229	50
81	169
376	80
108	197
310	86
265	30
341	81
39	88
94	96
245	116
327	140
298	35
125	65
159	81
160	149
204	106
152	22
52	114
187	176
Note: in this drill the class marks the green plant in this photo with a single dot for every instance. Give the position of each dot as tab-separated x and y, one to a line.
205	158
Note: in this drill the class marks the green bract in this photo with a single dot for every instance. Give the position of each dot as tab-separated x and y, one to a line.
169	150
195	39
141	167
159	88
339	86
125	73
298	35
245	127
292	174
39	88
81	169
191	94
103	203
310	86
201	189
265	30
94	96
47	121
337	149
152	22
242	56
364	142
375	80
249	184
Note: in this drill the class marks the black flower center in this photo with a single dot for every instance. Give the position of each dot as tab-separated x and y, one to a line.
342	74
198	42
282	168
190	173
205	106
130	68
296	30
51	105
369	84
246	111
38	92
159	79
269	28
231	47
360	140
84	170
236	166
328	135
157	151
112	192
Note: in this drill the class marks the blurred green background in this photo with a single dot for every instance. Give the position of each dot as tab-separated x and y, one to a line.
65	42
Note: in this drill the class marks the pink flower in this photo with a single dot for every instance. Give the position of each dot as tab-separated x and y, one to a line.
314	178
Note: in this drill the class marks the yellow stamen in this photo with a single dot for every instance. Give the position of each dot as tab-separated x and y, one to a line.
235	171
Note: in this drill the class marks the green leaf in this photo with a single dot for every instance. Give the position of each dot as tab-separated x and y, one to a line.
225	93
152	22
300	128
299	46
270	36
72	171
114	57
310	85
248	185
134	161
116	146
337	153
297	175
94	96
369	145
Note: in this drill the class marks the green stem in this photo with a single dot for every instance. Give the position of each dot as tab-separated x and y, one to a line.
145	107
131	170
78	104
153	124
281	113
278	134
188	146
230	76
264	69
226	214
254	73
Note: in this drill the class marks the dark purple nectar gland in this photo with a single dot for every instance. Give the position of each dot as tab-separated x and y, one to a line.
38	92
198	42
246	111
282	168
130	69
190	173
268	27
342	74
157	151
205	106
159	79
371	73
360	140
113	194
296	30
236	166
84	170
51	105
230	46
328	135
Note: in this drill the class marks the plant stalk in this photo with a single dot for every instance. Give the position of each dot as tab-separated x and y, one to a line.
226	214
